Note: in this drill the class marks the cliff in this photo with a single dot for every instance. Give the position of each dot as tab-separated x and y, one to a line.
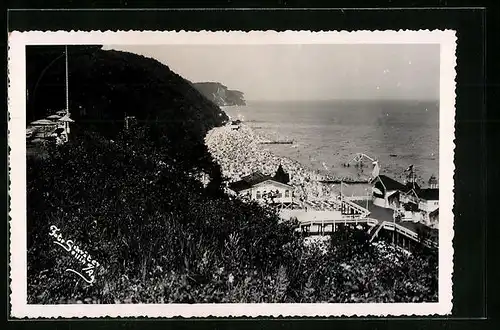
220	94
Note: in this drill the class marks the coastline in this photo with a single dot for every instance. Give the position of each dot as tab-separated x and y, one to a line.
240	152
335	141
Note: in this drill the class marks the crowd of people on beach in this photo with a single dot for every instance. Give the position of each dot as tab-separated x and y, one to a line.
238	153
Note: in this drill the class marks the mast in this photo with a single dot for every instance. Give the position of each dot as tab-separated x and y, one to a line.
67	81
411	178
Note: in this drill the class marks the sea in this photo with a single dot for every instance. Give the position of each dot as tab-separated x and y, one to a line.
328	134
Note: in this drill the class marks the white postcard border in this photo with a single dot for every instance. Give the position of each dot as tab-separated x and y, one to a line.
17	171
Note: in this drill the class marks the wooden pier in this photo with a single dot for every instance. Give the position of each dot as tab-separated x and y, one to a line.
276	142
389	231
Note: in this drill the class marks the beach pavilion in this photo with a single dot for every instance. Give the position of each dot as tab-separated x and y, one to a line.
265	188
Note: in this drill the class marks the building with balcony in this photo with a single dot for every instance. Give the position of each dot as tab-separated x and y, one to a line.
386	192
428	199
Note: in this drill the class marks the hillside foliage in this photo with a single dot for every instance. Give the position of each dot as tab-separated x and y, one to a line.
161	236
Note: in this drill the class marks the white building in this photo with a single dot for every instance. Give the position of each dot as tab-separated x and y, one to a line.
386	192
428	199
274	191
265	188
420	205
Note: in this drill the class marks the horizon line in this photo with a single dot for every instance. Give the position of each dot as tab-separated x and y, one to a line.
342	99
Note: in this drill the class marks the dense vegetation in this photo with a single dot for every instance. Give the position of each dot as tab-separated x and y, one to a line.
132	200
160	236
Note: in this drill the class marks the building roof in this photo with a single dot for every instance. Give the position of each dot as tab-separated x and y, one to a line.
66	118
394	194
42	122
410	206
429	194
239	186
248	181
281	175
253	179
391	184
434	213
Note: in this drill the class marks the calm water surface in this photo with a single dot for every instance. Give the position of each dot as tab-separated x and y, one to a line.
328	133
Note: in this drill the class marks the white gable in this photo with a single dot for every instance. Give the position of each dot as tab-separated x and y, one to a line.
272	183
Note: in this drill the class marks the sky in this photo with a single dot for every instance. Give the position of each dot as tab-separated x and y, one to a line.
307	72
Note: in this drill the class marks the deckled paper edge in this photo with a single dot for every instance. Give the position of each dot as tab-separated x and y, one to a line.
17	173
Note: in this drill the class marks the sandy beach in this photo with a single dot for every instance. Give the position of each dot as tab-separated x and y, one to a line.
239	153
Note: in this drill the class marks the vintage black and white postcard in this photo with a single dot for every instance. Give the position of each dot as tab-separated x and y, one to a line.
215	174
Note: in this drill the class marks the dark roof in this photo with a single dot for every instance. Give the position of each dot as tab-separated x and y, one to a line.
391	184
434	213
239	186
281	175
255	178
248	181
429	194
394	195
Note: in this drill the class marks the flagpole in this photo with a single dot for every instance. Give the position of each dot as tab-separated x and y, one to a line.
367	197
67	81
341	196
394	228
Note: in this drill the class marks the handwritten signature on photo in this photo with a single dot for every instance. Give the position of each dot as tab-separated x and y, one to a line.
90	264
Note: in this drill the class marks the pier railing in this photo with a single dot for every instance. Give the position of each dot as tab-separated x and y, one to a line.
345	220
341	204
391	226
358	198
322	226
